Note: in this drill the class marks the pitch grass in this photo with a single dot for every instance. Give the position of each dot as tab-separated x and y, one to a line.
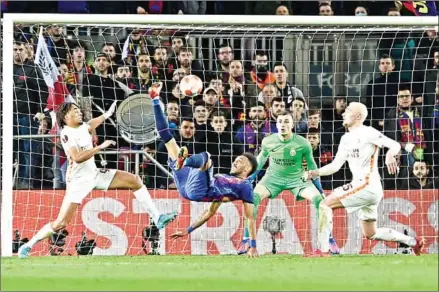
280	272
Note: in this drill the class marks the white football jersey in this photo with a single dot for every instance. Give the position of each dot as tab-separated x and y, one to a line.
82	140
360	148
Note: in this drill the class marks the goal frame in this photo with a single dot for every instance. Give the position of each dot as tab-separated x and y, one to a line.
209	21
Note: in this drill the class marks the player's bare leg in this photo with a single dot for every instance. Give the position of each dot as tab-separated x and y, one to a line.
260	193
126	180
65	215
313	195
370	231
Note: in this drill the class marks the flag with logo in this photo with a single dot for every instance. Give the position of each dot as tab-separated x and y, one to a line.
421	8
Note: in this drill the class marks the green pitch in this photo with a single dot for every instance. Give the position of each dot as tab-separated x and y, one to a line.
281	272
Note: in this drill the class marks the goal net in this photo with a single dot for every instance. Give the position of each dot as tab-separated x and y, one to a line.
313	66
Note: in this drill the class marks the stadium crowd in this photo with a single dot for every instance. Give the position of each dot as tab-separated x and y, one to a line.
240	101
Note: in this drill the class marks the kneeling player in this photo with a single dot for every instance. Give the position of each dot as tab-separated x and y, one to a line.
194	178
83	176
286	151
359	147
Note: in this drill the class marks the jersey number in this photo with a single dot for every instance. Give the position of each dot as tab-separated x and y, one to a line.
422	6
347	187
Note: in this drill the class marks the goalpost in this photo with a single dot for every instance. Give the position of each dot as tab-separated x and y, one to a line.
325	57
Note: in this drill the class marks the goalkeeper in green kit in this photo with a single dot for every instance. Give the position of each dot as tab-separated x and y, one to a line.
285	171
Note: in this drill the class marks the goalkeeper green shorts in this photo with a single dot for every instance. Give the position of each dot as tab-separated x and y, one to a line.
275	186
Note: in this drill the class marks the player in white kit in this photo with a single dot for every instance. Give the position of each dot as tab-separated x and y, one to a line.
360	147
83	176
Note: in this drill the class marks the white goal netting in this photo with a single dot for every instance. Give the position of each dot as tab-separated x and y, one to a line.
254	71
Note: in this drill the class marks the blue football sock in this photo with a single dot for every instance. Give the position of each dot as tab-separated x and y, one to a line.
197	160
161	122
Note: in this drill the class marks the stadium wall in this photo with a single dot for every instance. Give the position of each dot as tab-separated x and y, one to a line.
116	220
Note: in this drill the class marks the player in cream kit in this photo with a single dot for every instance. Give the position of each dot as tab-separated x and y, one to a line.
83	176
360	148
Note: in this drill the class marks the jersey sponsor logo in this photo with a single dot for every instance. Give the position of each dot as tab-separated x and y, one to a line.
65	139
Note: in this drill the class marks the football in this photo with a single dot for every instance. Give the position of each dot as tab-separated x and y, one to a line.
191	85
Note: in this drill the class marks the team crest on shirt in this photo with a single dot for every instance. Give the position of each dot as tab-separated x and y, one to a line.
65	139
293	152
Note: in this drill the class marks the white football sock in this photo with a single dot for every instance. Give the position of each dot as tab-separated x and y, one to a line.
325	227
43	233
144	197
388	234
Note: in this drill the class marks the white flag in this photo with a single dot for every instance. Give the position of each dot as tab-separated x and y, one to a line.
45	62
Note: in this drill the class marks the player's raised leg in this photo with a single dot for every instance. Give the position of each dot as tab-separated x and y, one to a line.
126	180
68	209
161	122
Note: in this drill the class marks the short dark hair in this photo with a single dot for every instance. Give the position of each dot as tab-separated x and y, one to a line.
224	45
314	111
160	48
280	64
62	111
387	56
178	35
285	113
185	49
313	130
186	119
325	4
276	99
255	104
252	159
404	86
108	45
218	113
260	53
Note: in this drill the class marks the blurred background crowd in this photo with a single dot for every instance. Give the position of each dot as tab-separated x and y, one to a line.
249	78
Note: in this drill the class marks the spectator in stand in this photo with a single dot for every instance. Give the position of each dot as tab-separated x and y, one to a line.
124	74
178	41
405	125
333	120
286	90
178	74
30	96
267	94
393	11
104	90
217	84
400	46
325	9
235	88
264	7
298	112
321	154
382	91
78	74
134	45
427	45
145	7
200	116
259	74
110	50
283	10
277	106
251	134
184	137
173	114
225	57
57	44
144	77
211	100
361	11
220	142
161	69
420	178
315	121
186	61
425	78
30	52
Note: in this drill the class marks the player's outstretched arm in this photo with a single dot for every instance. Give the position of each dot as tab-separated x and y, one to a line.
251	220
203	219
96	122
332	167
81	156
